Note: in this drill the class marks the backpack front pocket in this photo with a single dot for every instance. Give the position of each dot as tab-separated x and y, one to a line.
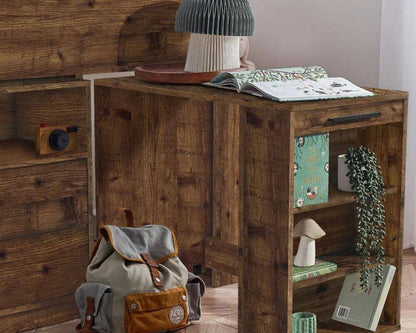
156	312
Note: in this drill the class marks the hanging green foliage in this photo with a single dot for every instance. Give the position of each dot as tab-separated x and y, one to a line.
368	185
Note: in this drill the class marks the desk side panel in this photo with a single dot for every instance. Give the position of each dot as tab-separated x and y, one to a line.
154	156
266	288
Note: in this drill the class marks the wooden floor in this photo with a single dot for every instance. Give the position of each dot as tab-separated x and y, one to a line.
220	307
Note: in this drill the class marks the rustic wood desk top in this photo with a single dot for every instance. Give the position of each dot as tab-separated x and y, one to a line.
213	94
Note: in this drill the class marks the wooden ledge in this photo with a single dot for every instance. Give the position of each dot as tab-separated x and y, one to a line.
226	257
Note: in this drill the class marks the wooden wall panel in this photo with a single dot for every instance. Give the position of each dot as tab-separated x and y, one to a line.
53	38
7	117
154	157
54	107
39	217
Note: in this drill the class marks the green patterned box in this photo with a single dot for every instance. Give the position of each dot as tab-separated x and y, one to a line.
311	169
321	267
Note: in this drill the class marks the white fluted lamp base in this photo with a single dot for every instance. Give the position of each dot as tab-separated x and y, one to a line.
207	53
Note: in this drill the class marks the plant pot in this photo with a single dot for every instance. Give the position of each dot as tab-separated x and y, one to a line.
304	322
343	179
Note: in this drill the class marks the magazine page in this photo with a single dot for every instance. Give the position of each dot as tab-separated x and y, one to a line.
306	90
236	80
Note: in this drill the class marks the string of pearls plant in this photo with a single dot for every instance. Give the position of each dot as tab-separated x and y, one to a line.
367	182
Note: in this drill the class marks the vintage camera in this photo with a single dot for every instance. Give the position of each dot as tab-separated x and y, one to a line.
54	139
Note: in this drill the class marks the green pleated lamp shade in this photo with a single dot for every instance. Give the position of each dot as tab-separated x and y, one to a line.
215	17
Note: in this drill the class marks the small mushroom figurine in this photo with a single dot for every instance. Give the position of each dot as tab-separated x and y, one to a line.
308	231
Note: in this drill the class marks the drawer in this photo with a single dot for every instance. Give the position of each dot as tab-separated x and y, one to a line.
327	120
44	216
44	182
43	267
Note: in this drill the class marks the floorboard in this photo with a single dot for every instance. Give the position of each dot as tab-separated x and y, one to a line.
220	307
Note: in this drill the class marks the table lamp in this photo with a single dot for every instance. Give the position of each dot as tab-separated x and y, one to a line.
215	27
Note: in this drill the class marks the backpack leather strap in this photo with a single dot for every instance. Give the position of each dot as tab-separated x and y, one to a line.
153	266
89	318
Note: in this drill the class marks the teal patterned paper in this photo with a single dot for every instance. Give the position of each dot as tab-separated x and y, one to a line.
235	80
311	169
321	267
280	74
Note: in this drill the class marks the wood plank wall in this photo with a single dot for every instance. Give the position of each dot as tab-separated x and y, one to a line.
154	157
45	38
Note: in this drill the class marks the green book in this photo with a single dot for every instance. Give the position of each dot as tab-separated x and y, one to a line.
289	84
321	267
359	308
311	169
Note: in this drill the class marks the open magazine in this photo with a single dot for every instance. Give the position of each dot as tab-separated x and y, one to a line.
289	84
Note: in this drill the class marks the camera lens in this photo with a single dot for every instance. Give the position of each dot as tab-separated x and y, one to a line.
59	140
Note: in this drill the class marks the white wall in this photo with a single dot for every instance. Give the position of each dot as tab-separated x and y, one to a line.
398	71
343	36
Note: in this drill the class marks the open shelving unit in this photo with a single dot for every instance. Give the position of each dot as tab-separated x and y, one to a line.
15	153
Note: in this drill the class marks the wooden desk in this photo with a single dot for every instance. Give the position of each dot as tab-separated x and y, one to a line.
217	167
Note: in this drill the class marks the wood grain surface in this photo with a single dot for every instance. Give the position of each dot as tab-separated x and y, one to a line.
226	96
172	74
227	179
265	289
54	38
40	183
154	156
49	266
54	107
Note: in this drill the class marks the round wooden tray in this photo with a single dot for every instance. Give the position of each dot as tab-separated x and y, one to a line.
172	73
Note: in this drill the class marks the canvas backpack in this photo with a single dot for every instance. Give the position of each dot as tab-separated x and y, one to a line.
136	283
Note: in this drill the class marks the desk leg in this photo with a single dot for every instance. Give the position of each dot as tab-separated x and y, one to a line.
265	293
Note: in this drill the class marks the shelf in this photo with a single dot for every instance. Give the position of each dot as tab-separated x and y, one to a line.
20	86
336	198
333	326
18	153
346	265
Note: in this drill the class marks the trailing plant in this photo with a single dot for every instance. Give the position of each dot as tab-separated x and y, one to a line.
368	186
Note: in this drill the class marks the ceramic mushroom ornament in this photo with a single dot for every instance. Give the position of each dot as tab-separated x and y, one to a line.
308	231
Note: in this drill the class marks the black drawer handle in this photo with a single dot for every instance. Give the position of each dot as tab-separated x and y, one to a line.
352	119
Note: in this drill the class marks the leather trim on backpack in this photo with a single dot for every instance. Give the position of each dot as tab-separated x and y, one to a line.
154	272
89	318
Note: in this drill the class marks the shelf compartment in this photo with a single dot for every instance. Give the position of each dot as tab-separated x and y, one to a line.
336	198
16	153
226	257
346	265
333	326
